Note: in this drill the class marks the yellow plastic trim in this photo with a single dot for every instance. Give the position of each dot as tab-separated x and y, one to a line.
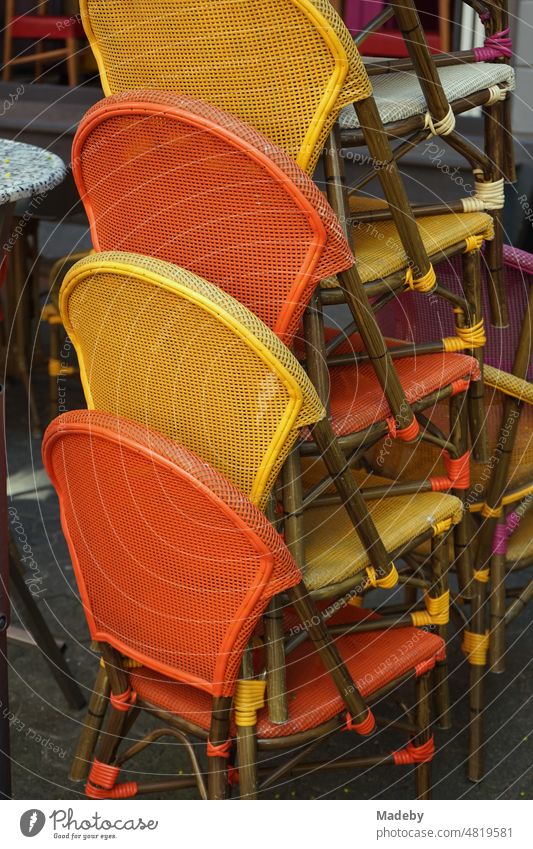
387	582
334	86
248	699
491	376
93	43
295	396
438	608
475	647
422	284
482	575
329	98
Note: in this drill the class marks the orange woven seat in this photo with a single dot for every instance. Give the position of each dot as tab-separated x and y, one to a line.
357	399
373	659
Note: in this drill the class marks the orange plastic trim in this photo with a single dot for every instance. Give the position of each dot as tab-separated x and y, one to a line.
412	754
365	727
319	239
425	666
214	688
123	701
221	750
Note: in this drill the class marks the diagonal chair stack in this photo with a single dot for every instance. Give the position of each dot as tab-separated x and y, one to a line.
257	467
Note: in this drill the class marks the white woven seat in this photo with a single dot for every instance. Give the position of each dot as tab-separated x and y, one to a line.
399	96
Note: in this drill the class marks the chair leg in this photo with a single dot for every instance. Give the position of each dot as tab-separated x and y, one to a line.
423	716
497	608
439	568
217	772
476	402
96	712
477	660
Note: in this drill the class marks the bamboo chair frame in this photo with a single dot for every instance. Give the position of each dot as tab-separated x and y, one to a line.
381	571
490	168
418	269
104	773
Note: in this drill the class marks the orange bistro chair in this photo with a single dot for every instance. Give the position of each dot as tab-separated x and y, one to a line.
230	391
290	75
165	175
175	567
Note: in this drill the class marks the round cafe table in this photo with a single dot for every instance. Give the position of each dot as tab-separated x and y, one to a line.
26	172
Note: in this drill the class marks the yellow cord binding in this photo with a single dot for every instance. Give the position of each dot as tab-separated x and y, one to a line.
482	575
467	337
387	582
437	611
51	315
423	284
473	243
419	618
248	699
356	601
491	512
475	647
441	527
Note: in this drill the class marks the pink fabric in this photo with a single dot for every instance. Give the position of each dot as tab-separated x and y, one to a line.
495	47
358	13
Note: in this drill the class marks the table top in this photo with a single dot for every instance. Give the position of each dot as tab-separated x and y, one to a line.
26	170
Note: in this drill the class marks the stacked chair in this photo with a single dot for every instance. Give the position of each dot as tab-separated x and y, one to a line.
257	470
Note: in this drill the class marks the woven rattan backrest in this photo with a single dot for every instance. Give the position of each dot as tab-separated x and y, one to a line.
174	565
162	347
167	176
286	67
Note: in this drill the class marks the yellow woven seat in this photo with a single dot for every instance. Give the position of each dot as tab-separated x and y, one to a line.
379	251
333	552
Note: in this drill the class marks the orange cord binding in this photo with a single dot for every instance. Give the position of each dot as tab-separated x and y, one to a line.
102	783
406	434
458	473
412	754
123	701
222	750
365	727
233	775
458	470
460	385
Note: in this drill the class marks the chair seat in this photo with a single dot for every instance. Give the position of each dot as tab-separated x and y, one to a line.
374	659
399	96
356	397
379	251
333	550
47	27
